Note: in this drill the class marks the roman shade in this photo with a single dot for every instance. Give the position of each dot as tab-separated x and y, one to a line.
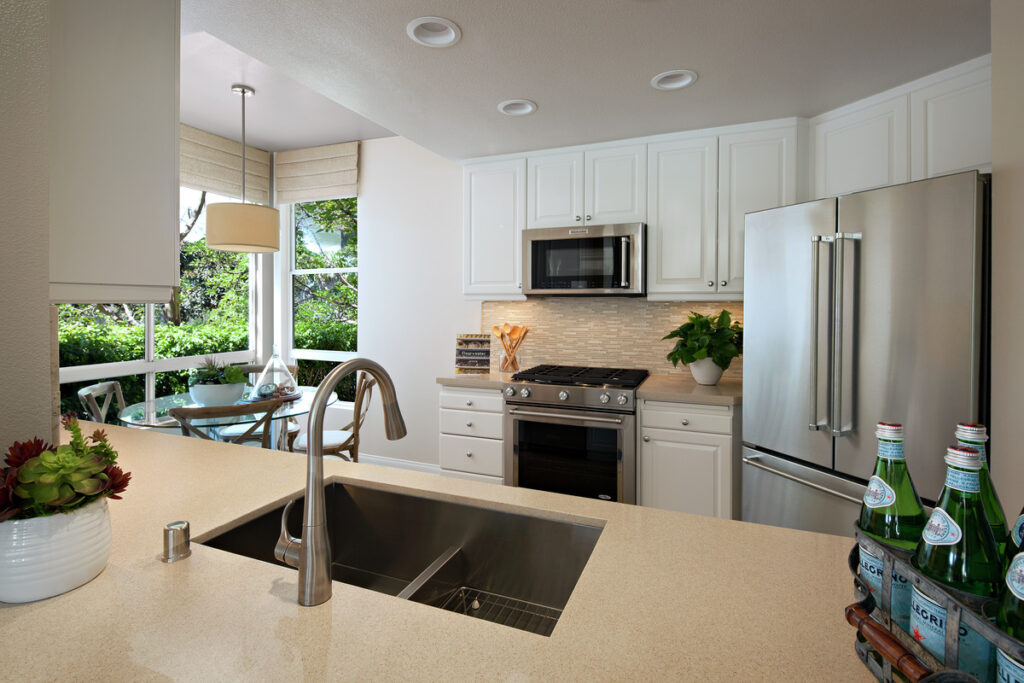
214	163
314	173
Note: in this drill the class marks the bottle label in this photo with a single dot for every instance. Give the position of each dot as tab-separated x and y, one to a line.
878	494
968	482
928	627
941	529
1015	576
1008	670
890	450
899	594
976	445
1017	532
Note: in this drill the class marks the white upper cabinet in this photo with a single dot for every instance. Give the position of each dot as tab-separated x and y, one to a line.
861	147
595	187
951	124
682	210
494	201
114	151
756	170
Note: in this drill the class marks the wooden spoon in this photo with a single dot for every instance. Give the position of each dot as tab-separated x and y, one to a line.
519	338
501	337
513	339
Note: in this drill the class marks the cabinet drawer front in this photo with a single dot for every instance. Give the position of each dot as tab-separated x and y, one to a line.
687	417
471	423
472	399
468	454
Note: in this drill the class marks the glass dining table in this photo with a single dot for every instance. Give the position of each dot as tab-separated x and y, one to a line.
154	413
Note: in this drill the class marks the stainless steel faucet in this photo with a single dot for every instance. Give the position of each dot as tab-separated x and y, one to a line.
312	553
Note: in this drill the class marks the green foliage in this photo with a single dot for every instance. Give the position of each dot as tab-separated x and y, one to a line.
326	234
214	285
214	372
702	336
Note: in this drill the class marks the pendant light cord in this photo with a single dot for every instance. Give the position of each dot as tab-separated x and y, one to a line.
243	146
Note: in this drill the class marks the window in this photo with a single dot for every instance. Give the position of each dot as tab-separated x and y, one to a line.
149	347
323	279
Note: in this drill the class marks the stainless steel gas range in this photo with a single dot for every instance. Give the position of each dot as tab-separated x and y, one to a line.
573	430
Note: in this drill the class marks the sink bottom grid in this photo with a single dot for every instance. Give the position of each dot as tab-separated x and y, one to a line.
527	616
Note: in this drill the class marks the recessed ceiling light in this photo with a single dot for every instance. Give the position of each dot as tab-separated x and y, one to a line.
434	31
674	80
517	107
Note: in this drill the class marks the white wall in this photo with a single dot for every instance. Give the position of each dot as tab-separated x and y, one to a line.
410	292
24	219
1008	251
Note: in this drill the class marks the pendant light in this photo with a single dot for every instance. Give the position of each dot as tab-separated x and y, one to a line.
241	227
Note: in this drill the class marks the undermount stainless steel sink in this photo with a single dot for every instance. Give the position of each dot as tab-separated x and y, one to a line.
509	568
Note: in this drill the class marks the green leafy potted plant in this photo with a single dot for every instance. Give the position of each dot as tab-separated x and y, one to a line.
54	522
216	384
707	345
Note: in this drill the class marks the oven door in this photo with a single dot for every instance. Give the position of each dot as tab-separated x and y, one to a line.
598	259
578	452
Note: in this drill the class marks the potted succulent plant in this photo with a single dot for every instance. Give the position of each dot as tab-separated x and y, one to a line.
216	384
707	345
54	521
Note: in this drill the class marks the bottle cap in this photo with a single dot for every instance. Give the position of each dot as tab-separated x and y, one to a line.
889	430
963	456
969	431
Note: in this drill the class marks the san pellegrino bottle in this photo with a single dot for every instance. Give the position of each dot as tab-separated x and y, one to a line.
957	549
1014	539
891	513
1011	620
975	436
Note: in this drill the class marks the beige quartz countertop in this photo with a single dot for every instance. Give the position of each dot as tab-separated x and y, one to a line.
490	381
682	387
664	596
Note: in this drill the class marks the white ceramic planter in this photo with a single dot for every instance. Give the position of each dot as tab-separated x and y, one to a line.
46	556
705	371
216	394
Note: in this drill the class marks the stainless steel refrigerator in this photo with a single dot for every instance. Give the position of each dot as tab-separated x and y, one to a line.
858	309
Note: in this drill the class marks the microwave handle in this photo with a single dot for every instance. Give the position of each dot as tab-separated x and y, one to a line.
624	255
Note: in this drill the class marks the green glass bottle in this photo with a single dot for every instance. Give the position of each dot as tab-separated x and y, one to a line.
1011	620
957	549
890	513
1014	539
974	436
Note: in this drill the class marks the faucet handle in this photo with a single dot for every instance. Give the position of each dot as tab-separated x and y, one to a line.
287	548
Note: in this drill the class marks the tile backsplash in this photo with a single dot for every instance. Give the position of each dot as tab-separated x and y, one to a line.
606	332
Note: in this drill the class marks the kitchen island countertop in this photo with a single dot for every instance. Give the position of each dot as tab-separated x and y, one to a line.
664	595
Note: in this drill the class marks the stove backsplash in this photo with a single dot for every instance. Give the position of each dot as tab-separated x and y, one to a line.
605	332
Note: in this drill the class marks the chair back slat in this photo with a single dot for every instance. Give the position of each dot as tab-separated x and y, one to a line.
185	417
108	391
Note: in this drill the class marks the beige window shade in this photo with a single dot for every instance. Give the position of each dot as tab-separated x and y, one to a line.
210	162
327	172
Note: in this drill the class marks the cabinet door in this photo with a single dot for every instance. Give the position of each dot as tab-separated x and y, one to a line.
114	151
951	125
494	200
861	149
682	212
756	170
685	471
555	196
616	185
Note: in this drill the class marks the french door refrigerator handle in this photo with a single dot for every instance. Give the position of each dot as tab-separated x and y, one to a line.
814	424
837	335
753	461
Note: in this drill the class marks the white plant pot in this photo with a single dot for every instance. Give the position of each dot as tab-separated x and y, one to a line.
46	556
216	394
705	371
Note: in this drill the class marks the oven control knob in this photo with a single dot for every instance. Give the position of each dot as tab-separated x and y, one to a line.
604	398
524	392
510	392
563	395
622	399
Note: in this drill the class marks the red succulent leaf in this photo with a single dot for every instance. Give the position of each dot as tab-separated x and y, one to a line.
117	481
21	452
99	436
8	506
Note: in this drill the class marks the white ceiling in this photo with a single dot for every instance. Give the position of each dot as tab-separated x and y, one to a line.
282	114
588	63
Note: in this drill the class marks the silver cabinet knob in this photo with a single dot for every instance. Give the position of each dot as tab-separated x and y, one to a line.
469	424
686	422
723	283
647	438
469	454
711	283
604	398
509	391
524	392
622	399
577	217
588	217
469	403
563	395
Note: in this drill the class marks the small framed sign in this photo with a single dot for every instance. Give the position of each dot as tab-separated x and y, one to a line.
472	354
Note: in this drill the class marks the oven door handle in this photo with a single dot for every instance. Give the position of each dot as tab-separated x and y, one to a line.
613	420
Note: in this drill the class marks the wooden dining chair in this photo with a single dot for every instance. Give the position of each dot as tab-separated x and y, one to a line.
90	395
253	370
185	417
344	442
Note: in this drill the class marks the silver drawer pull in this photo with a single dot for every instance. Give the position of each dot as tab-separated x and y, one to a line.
647	438
686	422
469	454
469	403
711	283
469	424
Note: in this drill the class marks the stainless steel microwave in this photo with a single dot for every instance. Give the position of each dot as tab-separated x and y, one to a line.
585	260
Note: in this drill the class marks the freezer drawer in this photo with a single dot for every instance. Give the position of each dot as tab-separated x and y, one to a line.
782	493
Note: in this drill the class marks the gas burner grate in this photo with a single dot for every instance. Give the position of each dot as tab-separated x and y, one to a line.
578	375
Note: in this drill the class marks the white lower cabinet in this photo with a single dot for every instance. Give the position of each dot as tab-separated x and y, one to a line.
688	458
470	442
